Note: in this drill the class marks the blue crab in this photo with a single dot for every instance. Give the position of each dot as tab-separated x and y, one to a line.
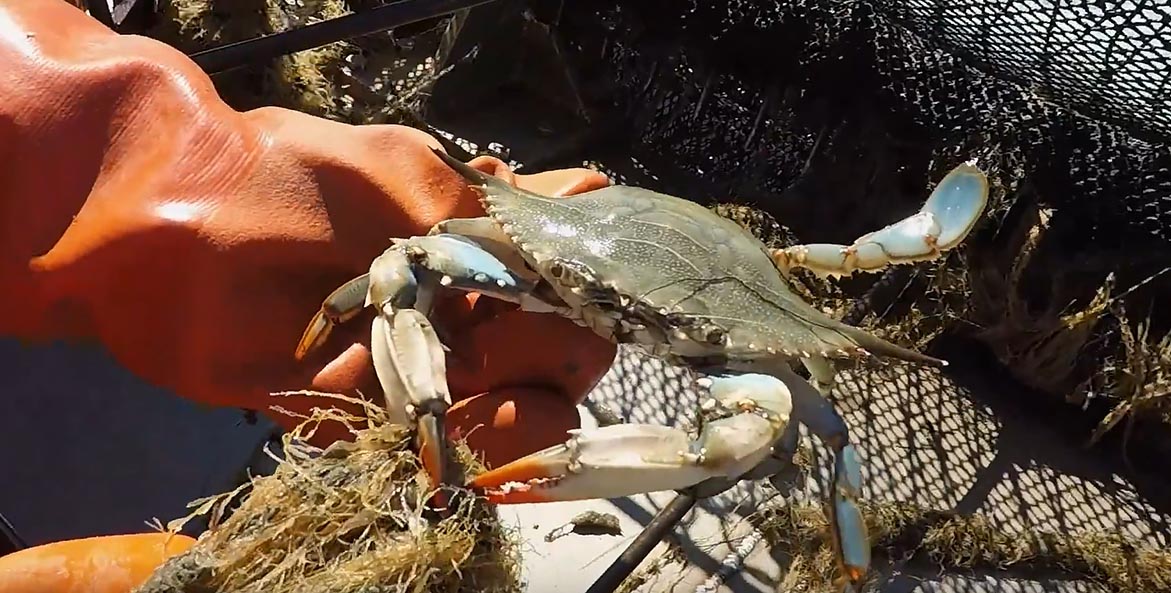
669	276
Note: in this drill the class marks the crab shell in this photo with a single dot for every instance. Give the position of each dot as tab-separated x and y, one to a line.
669	275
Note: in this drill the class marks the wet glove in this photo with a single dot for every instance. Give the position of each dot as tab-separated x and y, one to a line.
195	242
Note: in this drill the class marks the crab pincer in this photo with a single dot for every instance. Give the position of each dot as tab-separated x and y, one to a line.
409	358
748	414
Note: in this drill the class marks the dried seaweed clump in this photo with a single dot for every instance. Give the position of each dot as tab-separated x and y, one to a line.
350	518
904	531
1138	378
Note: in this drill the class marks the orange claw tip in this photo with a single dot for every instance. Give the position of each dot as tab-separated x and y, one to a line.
855	574
526	480
851	578
549	463
433	450
316	333
527	487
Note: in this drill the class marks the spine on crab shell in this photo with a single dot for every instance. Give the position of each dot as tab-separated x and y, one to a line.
476	176
880	347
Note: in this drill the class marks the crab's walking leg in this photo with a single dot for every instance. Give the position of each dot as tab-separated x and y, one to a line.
850	538
628	459
947	217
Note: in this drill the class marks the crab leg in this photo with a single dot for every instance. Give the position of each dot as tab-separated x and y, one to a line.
408	356
412	270
850	537
945	220
627	459
488	235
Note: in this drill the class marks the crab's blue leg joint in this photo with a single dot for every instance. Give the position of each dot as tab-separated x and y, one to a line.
407	353
850	533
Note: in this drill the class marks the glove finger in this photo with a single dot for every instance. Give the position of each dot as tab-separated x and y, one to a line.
555	183
512	349
344	366
507	424
109	564
499	426
515	348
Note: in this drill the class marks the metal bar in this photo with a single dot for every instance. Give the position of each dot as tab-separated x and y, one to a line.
10	540
382	18
637	551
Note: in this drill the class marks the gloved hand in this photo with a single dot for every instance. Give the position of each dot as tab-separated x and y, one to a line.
195	242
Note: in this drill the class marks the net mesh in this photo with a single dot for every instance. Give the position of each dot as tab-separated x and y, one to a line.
756	97
1105	59
835	116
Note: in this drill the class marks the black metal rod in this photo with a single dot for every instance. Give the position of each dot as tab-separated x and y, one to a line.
382	18
637	551
10	540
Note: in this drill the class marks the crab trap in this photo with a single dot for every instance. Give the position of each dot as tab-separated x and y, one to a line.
804	121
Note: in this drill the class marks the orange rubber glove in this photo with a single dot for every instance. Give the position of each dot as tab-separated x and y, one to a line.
109	564
195	242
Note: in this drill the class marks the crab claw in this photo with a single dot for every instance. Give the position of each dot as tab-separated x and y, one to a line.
339	307
608	462
433	451
411	367
628	459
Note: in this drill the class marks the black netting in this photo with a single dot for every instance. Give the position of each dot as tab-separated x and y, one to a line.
835	116
776	98
1106	59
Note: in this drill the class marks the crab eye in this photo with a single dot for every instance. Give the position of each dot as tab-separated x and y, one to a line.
715	336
